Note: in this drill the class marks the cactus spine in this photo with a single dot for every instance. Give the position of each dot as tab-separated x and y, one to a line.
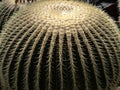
60	45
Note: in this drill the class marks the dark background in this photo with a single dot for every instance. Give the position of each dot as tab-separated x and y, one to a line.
109	6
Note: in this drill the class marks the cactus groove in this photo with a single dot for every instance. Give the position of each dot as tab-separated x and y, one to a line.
60	45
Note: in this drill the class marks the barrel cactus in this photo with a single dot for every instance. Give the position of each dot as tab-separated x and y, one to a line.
60	45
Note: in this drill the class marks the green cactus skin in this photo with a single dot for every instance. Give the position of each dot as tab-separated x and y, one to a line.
8	8
60	45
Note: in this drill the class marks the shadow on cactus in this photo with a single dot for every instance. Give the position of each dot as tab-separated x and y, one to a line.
60	45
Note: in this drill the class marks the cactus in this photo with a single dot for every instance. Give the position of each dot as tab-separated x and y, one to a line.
60	45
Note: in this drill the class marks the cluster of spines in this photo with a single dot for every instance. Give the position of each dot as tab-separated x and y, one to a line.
8	8
6	11
37	56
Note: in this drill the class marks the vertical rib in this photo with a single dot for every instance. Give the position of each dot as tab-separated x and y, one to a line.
50	58
61	35
69	43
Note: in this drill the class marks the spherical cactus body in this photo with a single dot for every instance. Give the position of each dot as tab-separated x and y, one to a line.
60	45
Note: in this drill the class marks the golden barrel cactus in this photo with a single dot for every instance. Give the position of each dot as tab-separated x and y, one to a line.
60	45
